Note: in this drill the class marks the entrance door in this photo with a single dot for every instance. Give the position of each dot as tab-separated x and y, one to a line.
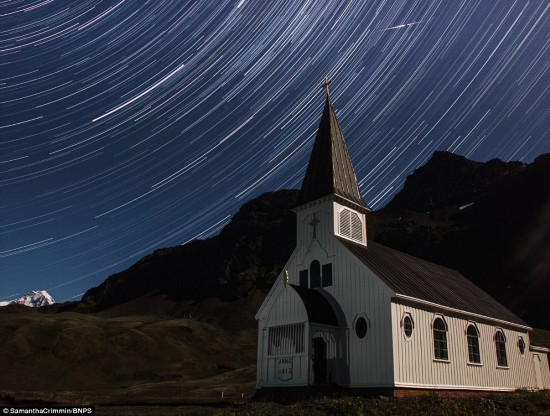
319	361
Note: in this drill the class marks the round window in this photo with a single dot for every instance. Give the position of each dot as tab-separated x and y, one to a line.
361	327
408	326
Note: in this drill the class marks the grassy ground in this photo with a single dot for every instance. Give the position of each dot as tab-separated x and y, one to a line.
138	365
78	352
510	404
431	404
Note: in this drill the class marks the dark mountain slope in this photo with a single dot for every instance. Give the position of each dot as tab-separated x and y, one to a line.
448	180
500	241
247	254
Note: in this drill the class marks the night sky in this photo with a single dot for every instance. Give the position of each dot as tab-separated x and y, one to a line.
129	125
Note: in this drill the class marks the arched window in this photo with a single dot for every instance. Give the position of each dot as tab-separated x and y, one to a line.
500	344
473	344
440	340
315	274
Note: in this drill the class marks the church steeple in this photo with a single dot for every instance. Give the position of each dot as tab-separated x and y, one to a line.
329	172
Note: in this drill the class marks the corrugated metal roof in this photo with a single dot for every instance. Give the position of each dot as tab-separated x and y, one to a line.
329	171
416	278
318	308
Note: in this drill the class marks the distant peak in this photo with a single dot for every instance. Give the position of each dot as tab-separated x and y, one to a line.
33	299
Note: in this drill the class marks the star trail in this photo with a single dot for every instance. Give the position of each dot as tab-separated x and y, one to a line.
127	126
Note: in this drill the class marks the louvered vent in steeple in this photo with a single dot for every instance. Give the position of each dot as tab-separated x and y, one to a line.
350	225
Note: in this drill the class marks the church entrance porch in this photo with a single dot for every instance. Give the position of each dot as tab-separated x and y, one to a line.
301	342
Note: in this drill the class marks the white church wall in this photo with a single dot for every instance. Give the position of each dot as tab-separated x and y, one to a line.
541	368
288	308
416	365
283	341
363	295
320	214
357	290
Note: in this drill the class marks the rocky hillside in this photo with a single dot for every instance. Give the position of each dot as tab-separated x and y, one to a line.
490	221
449	180
248	254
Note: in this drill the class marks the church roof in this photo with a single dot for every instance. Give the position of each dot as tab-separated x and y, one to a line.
329	171
416	278
317	306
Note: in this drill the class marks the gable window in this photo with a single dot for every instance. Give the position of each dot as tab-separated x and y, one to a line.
500	344
440	340
315	273
313	278
521	346
350	225
327	274
473	344
303	278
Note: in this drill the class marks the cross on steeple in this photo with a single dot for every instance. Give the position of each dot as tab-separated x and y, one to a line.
326	84
314	222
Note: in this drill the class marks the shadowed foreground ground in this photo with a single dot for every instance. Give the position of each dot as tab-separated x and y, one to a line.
511	404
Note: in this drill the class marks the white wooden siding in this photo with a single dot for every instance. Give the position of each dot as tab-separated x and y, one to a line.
415	365
541	369
285	307
384	357
356	289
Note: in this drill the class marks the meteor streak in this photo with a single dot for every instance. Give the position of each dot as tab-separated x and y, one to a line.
400	26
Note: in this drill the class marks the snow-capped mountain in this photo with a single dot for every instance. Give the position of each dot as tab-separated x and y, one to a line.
34	299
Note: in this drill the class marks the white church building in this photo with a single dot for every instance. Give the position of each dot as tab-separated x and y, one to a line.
352	313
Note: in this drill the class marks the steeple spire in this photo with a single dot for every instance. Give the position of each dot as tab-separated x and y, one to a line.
329	171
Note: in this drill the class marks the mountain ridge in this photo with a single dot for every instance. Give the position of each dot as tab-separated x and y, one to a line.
469	224
180	323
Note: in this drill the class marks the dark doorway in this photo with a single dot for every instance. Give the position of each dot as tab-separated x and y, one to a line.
319	361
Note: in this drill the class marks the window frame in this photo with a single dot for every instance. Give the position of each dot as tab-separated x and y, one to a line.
361	317
440	340
407	317
472	341
521	346
304	278
500	349
326	275
315	278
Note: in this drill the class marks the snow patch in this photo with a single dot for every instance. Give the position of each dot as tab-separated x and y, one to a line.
34	299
